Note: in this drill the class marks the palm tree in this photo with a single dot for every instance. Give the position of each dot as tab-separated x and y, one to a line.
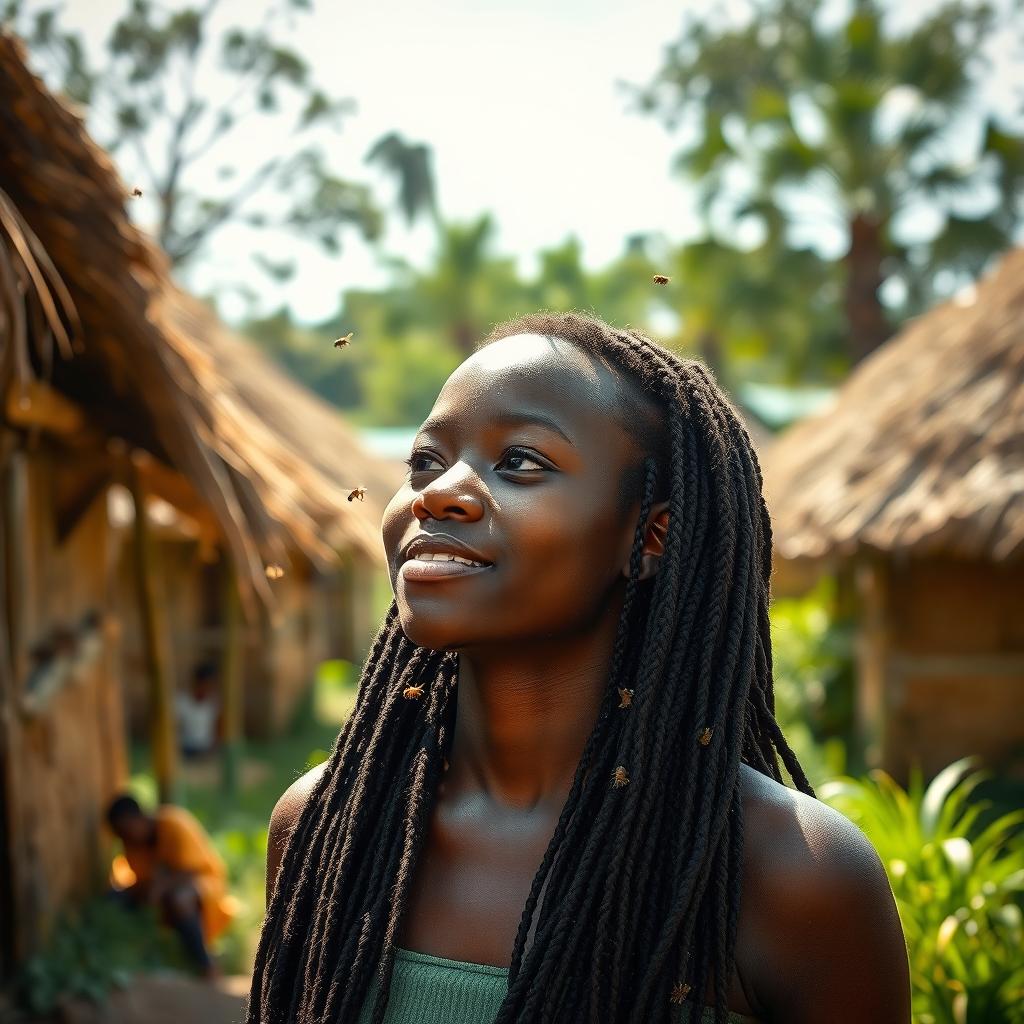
768	311
848	127
468	286
410	164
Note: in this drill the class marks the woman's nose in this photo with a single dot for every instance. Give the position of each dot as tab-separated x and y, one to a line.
448	497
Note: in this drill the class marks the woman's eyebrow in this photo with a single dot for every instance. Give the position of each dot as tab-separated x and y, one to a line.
445	424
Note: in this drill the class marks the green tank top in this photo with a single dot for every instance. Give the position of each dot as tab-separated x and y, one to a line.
432	990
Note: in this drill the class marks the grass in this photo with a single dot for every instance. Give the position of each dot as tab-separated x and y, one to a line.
238	824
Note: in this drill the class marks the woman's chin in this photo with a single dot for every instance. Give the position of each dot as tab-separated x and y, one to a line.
430	632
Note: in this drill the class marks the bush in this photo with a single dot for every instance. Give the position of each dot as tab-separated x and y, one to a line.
958	886
813	678
93	951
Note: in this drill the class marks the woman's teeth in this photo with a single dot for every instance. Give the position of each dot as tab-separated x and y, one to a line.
438	556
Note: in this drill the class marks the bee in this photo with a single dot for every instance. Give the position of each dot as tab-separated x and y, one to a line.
705	737
412	692
661	279
625	698
274	572
680	992
357	492
620	777
136	193
343	340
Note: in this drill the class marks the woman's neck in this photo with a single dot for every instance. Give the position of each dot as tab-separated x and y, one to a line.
524	715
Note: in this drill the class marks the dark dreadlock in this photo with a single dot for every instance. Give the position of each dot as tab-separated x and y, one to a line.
611	931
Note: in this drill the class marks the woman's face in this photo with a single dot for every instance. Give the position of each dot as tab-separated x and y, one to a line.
518	469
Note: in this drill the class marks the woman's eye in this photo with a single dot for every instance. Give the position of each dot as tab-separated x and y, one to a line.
422	462
519	461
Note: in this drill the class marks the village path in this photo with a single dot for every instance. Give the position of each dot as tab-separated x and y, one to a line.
166	999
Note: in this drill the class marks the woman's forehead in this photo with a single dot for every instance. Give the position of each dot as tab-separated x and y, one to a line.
534	369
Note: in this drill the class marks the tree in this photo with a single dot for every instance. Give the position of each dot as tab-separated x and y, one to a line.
411	165
469	288
148	106
796	121
768	312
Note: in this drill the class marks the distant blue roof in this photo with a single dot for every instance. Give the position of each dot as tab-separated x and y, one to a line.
779	407
388	442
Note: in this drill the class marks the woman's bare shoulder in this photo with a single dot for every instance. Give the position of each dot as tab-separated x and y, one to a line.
818	911
285	817
795	831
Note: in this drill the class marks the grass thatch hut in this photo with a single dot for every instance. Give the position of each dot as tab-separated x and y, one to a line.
109	375
912	484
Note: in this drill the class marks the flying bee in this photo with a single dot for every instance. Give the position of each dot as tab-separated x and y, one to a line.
680	992
625	698
620	777
661	279
274	572
705	737
136	193
344	340
412	692
357	492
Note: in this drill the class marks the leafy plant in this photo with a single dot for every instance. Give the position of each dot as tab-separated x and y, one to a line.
94	951
958	885
813	669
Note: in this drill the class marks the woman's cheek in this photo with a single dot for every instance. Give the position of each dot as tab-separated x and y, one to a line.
394	523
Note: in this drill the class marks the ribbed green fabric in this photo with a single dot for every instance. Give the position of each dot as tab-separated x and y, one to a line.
431	990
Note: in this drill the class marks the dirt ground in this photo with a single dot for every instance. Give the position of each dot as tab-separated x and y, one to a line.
166	999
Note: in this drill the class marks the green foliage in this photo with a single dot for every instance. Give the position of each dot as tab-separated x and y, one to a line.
411	165
770	313
92	952
812	119
734	309
814	679
959	886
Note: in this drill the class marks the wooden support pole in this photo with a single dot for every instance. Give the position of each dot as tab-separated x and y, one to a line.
874	649
11	926
163	736
231	681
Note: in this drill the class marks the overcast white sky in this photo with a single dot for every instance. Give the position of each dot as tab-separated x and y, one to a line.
520	103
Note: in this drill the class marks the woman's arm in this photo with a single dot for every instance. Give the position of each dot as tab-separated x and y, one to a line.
283	820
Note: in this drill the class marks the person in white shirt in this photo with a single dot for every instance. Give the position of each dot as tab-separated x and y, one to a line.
198	712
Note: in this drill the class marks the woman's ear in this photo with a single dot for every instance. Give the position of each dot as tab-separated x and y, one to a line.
654	542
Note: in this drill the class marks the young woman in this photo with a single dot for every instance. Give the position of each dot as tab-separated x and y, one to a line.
559	796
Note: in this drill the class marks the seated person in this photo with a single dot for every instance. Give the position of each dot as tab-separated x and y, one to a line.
198	712
169	863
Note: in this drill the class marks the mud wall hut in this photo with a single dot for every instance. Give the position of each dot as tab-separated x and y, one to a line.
111	378
912	485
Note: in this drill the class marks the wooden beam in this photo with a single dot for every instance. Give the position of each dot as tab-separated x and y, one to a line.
163	736
19	584
231	681
9	766
36	405
999	663
873	709
166	483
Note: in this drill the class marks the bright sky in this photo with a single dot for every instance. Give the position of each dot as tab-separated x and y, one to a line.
519	100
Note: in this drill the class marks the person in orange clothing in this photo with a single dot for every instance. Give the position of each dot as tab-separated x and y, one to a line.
172	865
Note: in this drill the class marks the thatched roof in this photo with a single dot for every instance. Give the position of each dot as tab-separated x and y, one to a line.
923	450
153	365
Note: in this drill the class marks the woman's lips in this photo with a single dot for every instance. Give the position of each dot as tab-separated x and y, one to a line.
429	572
